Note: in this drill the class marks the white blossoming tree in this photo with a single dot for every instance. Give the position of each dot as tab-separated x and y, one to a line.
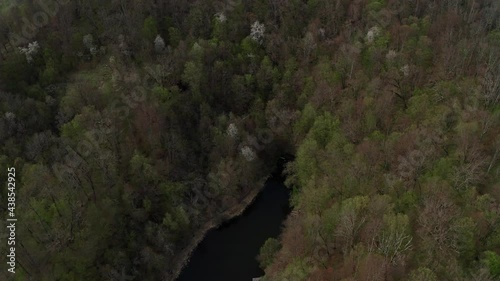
232	130
248	153
372	34
30	51
88	42
159	44
220	17
406	70
391	55
257	32
10	116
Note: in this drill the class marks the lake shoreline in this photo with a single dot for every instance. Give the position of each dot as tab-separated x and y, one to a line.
232	213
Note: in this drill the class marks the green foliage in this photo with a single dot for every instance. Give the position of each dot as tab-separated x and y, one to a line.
249	49
266	77
493	239
356	204
175	36
198	20
419	25
73	129
443	168
492	262
330	219
376	5
150	29
382	40
424	52
367	58
407	201
219	31
494	37
306	121
16	70
126	201
326	129
465	230
193	75
50	74
306	163
423	274
141	165
370	122
298	270
315	199
177	220
396	223
162	93
307	92
326	71
268	251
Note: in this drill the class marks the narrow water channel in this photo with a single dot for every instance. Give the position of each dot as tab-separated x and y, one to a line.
229	252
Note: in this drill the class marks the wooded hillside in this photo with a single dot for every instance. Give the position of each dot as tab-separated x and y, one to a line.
132	123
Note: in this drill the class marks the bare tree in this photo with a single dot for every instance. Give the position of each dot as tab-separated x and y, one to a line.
435	222
491	80
352	218
395	239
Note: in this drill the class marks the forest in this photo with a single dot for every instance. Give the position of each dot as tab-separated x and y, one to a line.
131	124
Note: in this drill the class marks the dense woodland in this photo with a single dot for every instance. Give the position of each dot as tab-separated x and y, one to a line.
132	123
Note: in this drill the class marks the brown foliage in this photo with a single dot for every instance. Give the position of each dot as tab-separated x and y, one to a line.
373	267
435	221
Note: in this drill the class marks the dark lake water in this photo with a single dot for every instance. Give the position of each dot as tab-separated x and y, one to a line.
229	252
